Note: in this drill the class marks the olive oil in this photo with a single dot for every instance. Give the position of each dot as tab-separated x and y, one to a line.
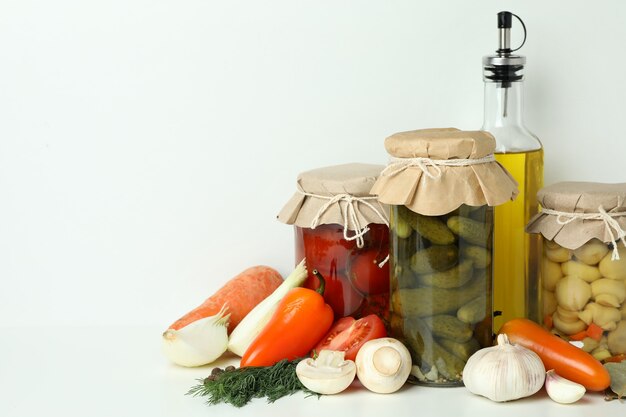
516	253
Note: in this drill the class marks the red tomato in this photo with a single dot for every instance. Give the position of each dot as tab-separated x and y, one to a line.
338	293
348	335
377	237
325	248
375	304
366	275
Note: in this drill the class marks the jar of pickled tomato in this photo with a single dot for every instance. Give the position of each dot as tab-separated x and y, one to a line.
343	233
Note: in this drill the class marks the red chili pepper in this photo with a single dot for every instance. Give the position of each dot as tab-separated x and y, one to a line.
301	319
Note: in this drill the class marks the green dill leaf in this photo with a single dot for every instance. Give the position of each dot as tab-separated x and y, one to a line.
239	386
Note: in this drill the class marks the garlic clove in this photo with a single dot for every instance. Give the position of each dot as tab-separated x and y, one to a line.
198	343
328	374
563	390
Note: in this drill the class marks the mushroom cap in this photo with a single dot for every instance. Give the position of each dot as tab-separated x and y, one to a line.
383	365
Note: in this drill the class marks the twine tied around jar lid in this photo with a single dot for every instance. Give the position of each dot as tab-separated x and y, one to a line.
610	223
338	195
350	213
434	171
397	165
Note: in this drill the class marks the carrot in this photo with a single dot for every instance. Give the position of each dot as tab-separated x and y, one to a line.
240	295
594	331
566	359
578	336
617	358
547	321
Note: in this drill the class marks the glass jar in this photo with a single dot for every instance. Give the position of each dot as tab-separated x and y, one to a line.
441	288
583	295
441	186
583	264
357	279
343	233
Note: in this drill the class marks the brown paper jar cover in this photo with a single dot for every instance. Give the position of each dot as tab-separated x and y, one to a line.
475	185
578	197
353	179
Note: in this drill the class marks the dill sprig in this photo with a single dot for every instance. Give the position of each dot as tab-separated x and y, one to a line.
239	386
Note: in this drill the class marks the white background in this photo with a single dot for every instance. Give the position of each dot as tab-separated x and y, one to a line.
147	145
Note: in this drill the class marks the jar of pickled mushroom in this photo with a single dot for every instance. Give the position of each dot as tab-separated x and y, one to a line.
583	267
343	233
441	186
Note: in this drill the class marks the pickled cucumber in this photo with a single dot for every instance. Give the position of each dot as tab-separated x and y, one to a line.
433	229
434	258
449	327
462	350
474	311
429	301
404	278
480	256
404	248
402	228
430	353
470	230
452	278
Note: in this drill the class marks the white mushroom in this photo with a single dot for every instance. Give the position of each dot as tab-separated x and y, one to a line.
567	327
609	292
591	252
614	269
567	315
617	339
551	273
581	270
550	244
603	316
590	344
383	365
558	255
549	302
572	293
328	374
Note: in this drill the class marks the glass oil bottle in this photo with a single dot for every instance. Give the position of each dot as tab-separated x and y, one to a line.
516	253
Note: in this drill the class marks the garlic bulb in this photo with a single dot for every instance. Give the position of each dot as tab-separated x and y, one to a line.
504	372
563	390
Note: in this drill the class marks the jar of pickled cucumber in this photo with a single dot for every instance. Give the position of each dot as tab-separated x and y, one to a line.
441	186
583	267
343	233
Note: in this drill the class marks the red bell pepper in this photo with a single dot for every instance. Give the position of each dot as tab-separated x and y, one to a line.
301	319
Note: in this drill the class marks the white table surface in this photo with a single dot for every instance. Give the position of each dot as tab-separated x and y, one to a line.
120	371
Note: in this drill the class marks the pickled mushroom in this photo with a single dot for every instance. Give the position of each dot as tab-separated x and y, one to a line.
581	270
558	255
572	293
567	327
608	292
614	269
591	252
549	302
617	339
552	273
566	315
603	316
